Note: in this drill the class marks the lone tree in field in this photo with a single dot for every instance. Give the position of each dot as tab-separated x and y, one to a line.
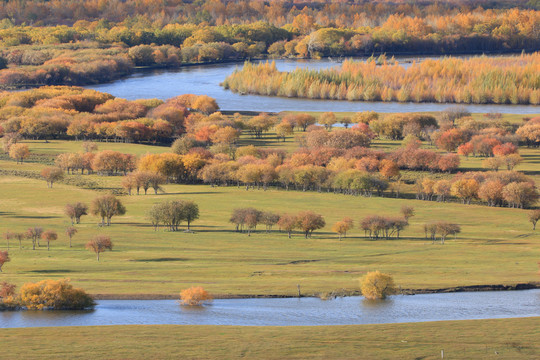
194	296
8	236
52	174
34	233
48	236
19	152
308	221
75	211
20	237
99	244
341	227
70	231
288	223
106	207
407	212
376	285
4	258
534	216
191	212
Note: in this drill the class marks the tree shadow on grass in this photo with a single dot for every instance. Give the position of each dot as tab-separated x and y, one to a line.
193	193
55	271
33	216
160	259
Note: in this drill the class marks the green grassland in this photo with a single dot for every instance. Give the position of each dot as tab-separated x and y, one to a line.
497	245
474	339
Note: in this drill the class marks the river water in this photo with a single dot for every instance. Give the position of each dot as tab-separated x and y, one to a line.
206	79
291	311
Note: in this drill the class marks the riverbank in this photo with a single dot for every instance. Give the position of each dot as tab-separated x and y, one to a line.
508	339
341	292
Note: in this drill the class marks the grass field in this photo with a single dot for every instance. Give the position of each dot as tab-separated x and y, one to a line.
474	339
497	245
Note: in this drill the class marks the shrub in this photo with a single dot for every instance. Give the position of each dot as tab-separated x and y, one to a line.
376	285
195	295
54	295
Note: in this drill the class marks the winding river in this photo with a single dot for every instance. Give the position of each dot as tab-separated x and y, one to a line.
291	311
206	79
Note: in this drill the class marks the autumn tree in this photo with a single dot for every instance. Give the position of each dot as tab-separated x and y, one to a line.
4	258
269	219
407	212
34	233
70	232
341	227
99	244
48	236
491	191
465	189
106	207
52	175
194	296
205	104
534	216
75	211
327	119
54	295
376	285
309	221
287	223
445	228
283	129
19	152
520	194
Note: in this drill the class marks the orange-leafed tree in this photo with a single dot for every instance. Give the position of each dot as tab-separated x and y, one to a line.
288	223
99	244
308	221
52	174
54	295
4	258
195	295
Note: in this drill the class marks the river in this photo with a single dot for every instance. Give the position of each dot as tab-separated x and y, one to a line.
206	79
291	311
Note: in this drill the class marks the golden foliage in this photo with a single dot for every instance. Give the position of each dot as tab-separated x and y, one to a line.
195	295
376	285
55	295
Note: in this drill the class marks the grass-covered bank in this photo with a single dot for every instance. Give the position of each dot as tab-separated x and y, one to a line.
472	339
497	245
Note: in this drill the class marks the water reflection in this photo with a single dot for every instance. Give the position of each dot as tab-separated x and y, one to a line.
292	311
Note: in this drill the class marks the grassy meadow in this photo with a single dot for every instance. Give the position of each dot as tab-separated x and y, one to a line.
496	246
507	339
